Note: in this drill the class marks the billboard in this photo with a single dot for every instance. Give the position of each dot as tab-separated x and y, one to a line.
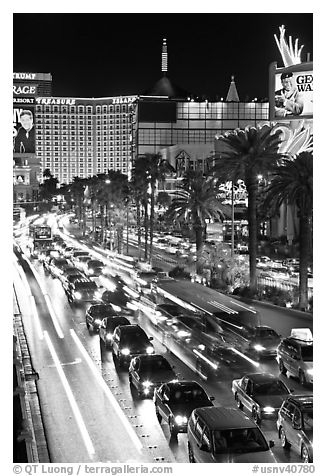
291	92
23	129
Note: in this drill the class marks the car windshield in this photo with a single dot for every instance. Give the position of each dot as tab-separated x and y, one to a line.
171	309
94	263
102	309
133	336
111	324
240	440
154	365
186	394
307	420
89	285
270	388
307	353
265	333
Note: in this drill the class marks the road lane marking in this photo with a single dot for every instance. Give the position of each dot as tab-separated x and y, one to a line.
107	392
36	316
79	419
31	298
256	364
47	300
244	307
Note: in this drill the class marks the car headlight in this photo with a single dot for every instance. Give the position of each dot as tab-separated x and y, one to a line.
147	384
116	308
77	295
268	409
91	270
180	420
149	350
259	347
97	321
125	351
310	372
108	336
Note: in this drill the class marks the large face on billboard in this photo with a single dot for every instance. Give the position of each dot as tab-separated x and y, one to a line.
293	94
23	130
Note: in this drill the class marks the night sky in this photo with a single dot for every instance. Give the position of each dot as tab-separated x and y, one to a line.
109	54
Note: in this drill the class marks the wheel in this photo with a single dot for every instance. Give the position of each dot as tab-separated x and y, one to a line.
191	454
284	441
255	416
172	428
281	367
305	455
302	378
238	402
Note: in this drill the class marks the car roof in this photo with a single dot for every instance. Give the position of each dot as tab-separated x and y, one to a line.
219	418
178	384
262	377
303	401
131	327
151	357
302	343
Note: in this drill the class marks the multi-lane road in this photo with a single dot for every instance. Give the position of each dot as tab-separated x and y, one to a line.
89	410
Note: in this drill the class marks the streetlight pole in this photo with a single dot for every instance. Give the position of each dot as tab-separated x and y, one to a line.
232	219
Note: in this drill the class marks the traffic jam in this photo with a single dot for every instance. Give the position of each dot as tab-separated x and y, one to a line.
130	307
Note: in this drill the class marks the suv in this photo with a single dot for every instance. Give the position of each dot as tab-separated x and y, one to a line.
81	290
107	328
129	341
295	425
295	355
226	435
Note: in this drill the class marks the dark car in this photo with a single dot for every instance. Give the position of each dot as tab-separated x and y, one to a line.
295	425
108	326
55	266
174	402
81	290
129	341
260	394
146	372
95	315
263	341
69	279
93	267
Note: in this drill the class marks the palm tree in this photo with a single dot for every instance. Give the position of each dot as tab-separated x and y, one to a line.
244	154
292	184
197	201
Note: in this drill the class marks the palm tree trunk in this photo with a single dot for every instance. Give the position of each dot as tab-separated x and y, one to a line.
251	185
151	223
199	231
138	227
304	261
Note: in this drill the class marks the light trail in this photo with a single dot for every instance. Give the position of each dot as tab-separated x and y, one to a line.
79	419
107	392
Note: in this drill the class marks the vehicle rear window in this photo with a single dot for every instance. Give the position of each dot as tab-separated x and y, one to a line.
307	420
89	285
270	388
186	394
239	440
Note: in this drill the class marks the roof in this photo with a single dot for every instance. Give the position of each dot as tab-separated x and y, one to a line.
262	377
301	400
165	87
219	418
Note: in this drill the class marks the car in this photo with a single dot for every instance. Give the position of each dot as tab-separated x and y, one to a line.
81	261
295	355
226	435
129	341
93	267
76	254
81	290
260	394
108	326
295	425
69	279
68	251
174	402
55	266
95	314
263	341
146	372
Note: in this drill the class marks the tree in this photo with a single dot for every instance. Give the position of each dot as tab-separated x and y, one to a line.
244	154
292	184
49	187
197	201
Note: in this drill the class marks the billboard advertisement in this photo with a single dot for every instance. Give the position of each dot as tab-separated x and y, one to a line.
23	129
291	92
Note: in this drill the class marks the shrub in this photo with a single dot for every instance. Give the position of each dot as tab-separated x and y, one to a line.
179	272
